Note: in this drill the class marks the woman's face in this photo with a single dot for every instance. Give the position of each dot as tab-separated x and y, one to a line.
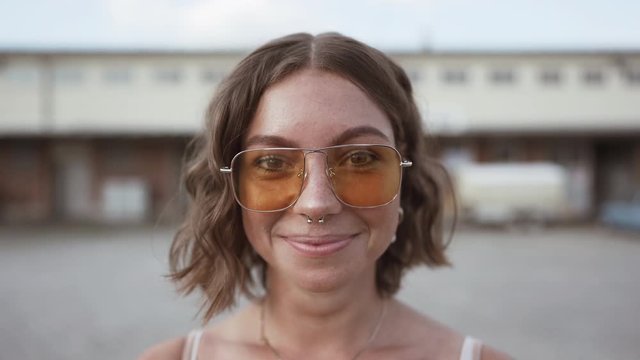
314	109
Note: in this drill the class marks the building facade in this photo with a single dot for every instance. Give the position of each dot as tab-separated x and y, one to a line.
99	136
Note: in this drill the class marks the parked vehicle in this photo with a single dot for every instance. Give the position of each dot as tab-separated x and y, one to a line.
622	214
508	193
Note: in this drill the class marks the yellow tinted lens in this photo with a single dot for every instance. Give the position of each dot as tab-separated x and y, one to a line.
267	180
365	175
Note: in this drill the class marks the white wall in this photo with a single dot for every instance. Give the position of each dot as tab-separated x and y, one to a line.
141	104
20	100
528	104
81	100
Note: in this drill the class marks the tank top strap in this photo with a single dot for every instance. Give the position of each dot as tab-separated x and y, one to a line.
190	351
471	349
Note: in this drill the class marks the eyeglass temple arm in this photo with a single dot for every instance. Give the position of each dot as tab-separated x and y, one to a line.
225	170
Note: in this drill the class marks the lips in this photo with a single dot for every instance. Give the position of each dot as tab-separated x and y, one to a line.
318	247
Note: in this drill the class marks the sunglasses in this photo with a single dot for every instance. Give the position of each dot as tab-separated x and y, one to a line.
272	179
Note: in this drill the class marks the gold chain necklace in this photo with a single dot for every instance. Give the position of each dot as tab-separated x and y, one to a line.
372	336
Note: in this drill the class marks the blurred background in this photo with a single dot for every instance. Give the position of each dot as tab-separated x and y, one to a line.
533	106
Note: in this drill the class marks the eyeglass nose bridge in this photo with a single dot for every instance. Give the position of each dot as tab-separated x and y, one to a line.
330	172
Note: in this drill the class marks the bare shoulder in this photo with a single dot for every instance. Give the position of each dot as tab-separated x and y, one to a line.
489	353
167	350
432	337
423	335
239	327
420	323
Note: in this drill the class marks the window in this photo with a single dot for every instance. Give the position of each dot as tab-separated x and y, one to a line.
19	74
506	150
566	152
593	77
68	75
550	77
454	76
212	76
414	75
633	76
502	77
117	75
168	75
24	157
119	157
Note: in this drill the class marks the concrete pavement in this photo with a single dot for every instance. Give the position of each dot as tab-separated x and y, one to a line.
98	293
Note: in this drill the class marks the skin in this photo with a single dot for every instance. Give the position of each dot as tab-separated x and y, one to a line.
322	307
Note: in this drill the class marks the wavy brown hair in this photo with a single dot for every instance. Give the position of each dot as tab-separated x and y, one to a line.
210	251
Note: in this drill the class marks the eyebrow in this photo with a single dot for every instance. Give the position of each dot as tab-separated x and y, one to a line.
349	134
358	131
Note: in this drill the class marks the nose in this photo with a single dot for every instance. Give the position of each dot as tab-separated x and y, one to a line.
316	198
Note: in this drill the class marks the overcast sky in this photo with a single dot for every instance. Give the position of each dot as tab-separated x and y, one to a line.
389	24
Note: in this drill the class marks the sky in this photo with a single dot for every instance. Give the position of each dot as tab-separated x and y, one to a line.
389	24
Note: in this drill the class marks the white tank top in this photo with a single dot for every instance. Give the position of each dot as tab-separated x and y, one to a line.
471	347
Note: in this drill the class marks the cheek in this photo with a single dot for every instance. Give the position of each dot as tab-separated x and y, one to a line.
383	223
257	227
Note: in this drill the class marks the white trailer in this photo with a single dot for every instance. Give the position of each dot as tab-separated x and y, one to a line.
505	193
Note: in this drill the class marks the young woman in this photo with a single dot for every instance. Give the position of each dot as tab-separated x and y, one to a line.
312	195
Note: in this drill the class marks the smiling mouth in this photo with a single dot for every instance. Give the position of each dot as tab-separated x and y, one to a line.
318	248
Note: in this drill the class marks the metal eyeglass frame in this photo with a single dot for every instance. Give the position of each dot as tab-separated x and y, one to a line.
306	151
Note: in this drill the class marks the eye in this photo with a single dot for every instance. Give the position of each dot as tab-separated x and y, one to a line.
271	163
361	158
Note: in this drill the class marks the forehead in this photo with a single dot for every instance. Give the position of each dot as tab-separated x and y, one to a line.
313	108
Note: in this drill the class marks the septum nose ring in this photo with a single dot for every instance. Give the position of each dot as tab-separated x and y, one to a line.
310	220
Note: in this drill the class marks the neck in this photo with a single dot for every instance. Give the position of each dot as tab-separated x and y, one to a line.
331	324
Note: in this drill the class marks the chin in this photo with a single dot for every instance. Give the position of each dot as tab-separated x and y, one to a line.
326	276
323	280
